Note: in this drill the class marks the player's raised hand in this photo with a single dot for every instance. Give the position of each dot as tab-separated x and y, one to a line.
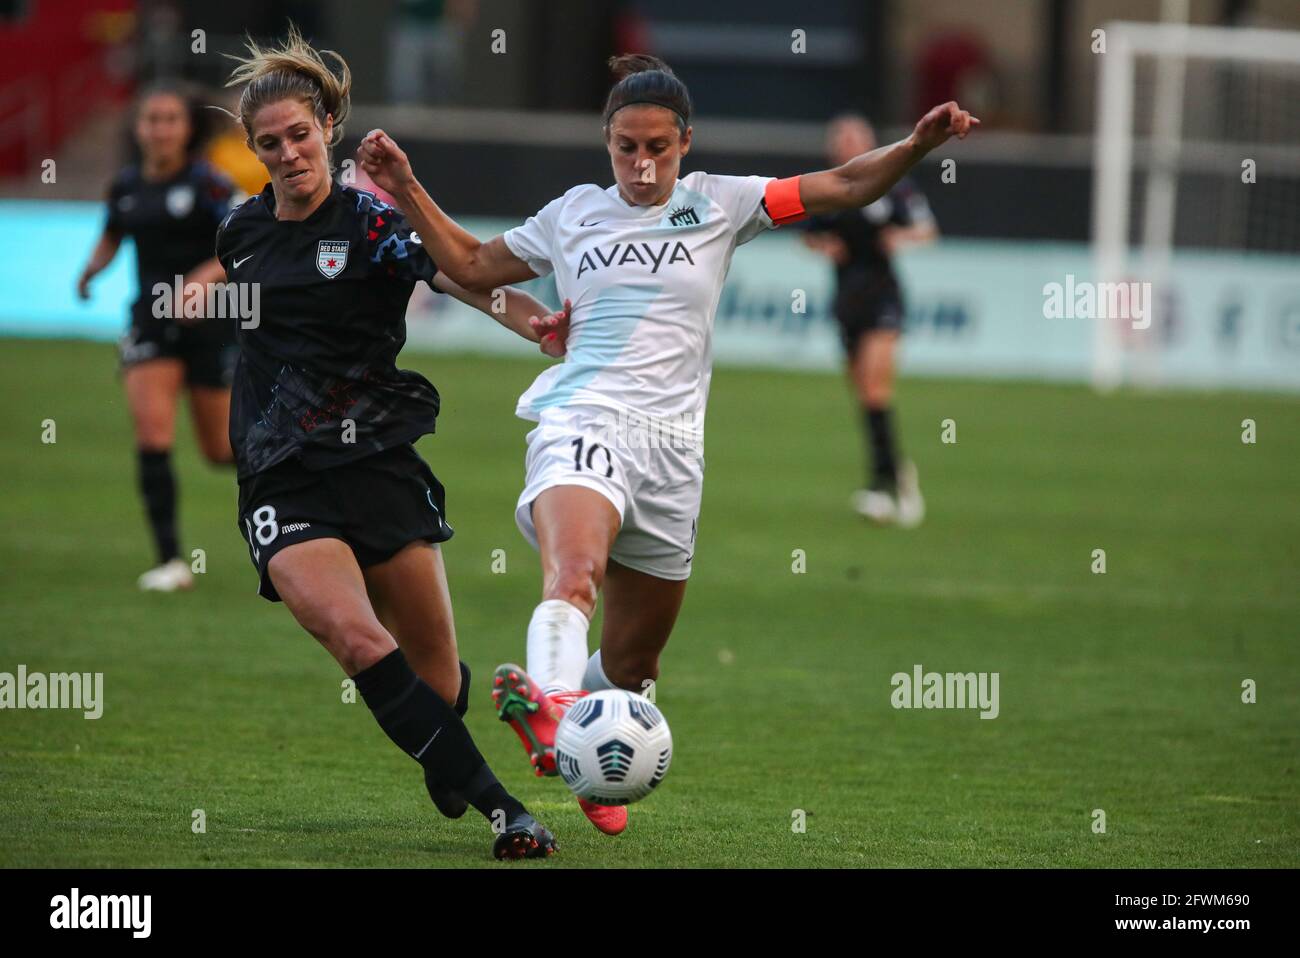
944	121
553	330
384	162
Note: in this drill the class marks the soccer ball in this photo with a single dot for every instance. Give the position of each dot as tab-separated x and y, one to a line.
613	747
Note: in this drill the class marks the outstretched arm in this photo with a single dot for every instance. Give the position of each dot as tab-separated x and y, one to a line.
866	178
516	311
476	266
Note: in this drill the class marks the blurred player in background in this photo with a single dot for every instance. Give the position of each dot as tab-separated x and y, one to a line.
643	262
869	309
170	203
228	151
341	514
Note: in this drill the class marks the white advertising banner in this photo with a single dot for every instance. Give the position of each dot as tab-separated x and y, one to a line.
982	309
974	308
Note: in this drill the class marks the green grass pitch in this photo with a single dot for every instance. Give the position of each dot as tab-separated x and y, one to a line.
1120	692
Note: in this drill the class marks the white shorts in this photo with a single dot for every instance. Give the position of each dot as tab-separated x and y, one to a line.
655	490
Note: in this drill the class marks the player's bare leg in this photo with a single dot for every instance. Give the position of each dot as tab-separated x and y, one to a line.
411	598
874	368
640	611
322	585
152	392
210	411
576	528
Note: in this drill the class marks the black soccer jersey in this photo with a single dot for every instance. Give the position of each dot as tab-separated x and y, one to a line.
172	223
317	375
868	268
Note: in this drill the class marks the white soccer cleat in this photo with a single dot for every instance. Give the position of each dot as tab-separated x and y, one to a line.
876	505
172	576
911	507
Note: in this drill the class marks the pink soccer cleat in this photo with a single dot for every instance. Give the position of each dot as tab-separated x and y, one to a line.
531	713
535	715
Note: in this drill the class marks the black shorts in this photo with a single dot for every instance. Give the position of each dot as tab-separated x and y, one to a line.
377	505
859	312
207	348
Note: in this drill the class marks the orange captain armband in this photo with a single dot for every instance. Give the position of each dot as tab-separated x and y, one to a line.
782	202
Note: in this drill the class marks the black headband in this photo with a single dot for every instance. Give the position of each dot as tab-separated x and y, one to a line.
653	102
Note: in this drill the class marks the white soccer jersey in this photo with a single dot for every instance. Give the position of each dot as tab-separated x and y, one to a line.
644	282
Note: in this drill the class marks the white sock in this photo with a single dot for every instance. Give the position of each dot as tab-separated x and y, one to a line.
557	645
595	679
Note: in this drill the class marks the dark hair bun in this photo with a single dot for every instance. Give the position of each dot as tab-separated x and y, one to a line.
629	63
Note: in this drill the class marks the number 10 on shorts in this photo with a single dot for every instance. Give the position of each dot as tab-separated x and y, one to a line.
593	464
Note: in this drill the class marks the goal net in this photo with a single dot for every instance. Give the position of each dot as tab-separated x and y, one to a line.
1196	191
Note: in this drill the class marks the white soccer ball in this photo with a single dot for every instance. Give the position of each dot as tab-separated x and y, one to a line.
613	747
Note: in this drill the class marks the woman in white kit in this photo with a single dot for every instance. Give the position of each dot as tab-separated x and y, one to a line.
643	263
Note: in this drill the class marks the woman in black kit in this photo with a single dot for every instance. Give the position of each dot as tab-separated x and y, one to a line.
341	514
869	311
170	203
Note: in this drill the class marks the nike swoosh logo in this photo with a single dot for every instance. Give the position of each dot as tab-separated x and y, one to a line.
597	223
417	755
240	262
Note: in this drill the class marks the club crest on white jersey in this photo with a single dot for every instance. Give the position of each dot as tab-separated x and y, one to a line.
684	216
331	257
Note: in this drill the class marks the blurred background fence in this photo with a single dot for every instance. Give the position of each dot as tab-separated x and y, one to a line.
498	104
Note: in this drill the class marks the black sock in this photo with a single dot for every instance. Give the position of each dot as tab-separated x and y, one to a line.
462	698
425	727
158	487
880	438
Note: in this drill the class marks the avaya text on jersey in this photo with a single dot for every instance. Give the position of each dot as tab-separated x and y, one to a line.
633	254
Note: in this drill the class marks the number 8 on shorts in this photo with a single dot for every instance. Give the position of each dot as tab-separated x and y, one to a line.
263	529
